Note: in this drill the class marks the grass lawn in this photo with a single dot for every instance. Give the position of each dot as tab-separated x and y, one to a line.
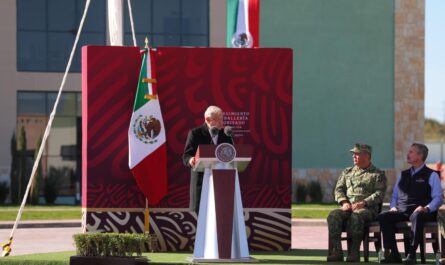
296	256
9	213
312	211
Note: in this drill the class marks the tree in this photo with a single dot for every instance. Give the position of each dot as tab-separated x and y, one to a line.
14	175
35	186
434	130
22	164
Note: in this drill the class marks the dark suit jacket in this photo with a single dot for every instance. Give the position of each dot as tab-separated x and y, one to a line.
201	135
197	136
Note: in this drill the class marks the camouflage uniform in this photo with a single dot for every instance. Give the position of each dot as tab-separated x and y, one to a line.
355	185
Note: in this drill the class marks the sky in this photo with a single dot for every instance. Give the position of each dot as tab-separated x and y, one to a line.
435	59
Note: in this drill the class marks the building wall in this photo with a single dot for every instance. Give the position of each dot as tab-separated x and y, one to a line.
320	146
358	77
343	76
409	77
217	23
11	81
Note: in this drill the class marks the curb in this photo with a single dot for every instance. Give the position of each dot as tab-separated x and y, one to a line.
309	222
76	223
41	224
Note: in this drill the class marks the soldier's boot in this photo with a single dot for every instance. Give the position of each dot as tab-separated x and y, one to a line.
336	253
354	252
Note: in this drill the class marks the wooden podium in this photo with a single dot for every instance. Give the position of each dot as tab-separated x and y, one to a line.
221	232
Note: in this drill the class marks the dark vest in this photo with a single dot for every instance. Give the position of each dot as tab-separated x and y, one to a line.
414	190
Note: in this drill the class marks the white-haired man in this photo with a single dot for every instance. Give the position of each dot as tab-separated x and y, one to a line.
416	196
211	132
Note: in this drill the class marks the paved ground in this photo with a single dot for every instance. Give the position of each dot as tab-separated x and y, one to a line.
313	234
40	240
306	234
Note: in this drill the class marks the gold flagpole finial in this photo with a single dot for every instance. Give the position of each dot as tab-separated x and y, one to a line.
146	42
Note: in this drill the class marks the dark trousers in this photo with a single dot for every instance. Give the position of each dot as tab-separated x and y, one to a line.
388	222
198	192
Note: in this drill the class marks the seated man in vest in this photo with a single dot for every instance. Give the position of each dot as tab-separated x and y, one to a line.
416	196
359	190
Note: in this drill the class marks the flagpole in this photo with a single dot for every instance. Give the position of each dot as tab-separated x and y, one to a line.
150	95
6	247
147	211
146	218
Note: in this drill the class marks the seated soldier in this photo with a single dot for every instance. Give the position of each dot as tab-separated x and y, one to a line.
359	190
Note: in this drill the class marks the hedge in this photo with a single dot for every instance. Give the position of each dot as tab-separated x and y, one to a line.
110	244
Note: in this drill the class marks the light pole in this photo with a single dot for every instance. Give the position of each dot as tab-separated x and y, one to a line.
443	134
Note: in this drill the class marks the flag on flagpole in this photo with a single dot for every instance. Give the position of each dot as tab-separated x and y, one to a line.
146	135
243	16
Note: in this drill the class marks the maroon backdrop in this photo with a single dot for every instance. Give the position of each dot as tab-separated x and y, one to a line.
254	82
252	86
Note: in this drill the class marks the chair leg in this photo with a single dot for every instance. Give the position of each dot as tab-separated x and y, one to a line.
329	247
378	243
435	242
422	249
349	243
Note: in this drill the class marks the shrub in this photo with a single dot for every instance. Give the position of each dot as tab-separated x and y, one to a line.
14	170
22	181
301	193
51	185
4	190
314	191
110	244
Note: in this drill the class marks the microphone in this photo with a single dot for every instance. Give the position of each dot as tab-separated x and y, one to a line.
228	130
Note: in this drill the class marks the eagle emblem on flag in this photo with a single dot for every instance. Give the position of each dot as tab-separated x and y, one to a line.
146	128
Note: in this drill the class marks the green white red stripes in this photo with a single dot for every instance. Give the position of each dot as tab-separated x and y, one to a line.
243	16
146	136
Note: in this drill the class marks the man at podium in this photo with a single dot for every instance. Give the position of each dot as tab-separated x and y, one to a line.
211	132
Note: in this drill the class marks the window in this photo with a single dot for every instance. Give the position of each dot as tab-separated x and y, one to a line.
46	30
168	22
62	151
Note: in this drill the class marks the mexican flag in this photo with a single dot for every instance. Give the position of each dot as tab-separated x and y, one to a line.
243	16
146	136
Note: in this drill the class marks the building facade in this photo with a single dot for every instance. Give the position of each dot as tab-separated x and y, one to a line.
358	75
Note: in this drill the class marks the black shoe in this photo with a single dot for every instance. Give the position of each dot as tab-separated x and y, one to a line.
410	259
335	257
353	257
394	257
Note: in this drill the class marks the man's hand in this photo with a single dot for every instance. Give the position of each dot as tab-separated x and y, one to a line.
421	209
393	209
192	161
346	206
358	205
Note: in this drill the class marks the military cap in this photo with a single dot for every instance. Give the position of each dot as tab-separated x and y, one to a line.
361	148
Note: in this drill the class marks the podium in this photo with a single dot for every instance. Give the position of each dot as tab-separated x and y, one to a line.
221	232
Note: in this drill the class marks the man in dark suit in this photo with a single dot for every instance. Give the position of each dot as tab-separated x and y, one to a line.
416	196
211	132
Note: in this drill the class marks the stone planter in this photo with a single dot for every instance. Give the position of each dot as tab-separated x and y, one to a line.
92	260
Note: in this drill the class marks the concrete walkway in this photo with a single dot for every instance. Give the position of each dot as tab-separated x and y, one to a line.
41	224
313	234
51	236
